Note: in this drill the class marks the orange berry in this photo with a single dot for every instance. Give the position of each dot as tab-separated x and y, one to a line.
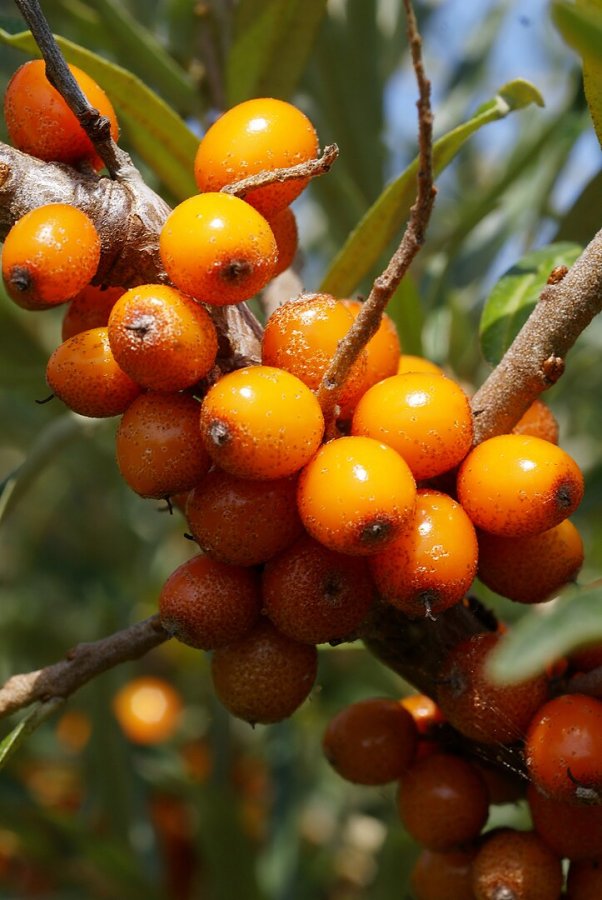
264	677
538	421
503	785
356	495
572	831
443	875
261	422
218	249
370	742
530	569
584	880
432	562
49	255
148	709
90	309
40	123
254	136
409	363
243	522
426	418
424	711
382	349
286	235
315	595
541	485
207	604
163	339
517	865
159	447
83	373
587	658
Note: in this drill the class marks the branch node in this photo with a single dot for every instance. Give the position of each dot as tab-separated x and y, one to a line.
557	274
553	368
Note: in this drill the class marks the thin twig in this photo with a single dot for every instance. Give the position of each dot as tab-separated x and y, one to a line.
312	168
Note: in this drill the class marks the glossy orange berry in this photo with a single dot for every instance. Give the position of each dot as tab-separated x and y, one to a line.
584	880
409	363
563	748
315	595
261	422
538	421
208	604
243	522
49	255
382	349
432	562
40	123
218	249
572	831
503	785
424	711
541	485
530	569
148	709
83	373
257	135
159	447
426	418
163	339
89	309
265	676
286	234
442	801
356	495
479	708
516	864
370	742
446	874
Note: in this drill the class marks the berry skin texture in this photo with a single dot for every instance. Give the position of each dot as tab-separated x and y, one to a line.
286	234
443	801
83	373
563	749
572	831
446	874
356	495
530	569
207	604
516	865
370	742
541	485
90	308
478	708
40	123
382	350
218	249
433	561
251	137
243	522
426	418
264	677
538	421
49	255
584	880
163	339
315	595
158	445
148	710
261	422
409	363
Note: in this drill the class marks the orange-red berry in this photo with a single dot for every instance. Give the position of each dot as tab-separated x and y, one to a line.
584	880
538	421
90	308
517	865
571	830
286	234
410	363
382	350
444	875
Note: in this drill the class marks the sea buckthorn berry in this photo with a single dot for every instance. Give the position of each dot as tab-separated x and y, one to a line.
425	418
163	339
315	595
410	363
370	742
83	373
148	709
265	676
49	255
382	350
541	485
243	522
443	875
538	421
261	422
587	658
584	880
90	309
516	865
356	495
40	123
503	785
530	569
424	711
433	560
254	136
442	801
573	831
563	748
208	604
158	445
480	709
302	336
218	249
286	235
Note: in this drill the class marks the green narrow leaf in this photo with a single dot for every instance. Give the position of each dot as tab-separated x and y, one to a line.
37	714
580	24
515	295
386	216
155	131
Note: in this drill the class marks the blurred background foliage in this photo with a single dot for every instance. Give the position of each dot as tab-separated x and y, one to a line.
218	810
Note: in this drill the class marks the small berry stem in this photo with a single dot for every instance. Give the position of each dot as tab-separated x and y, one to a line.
312	168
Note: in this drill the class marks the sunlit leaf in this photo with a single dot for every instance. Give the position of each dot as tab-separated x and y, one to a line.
580	23
38	714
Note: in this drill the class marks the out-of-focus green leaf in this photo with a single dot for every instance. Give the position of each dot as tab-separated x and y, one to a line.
154	130
386	216
542	637
272	43
405	310
516	293
37	714
582	220
580	23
